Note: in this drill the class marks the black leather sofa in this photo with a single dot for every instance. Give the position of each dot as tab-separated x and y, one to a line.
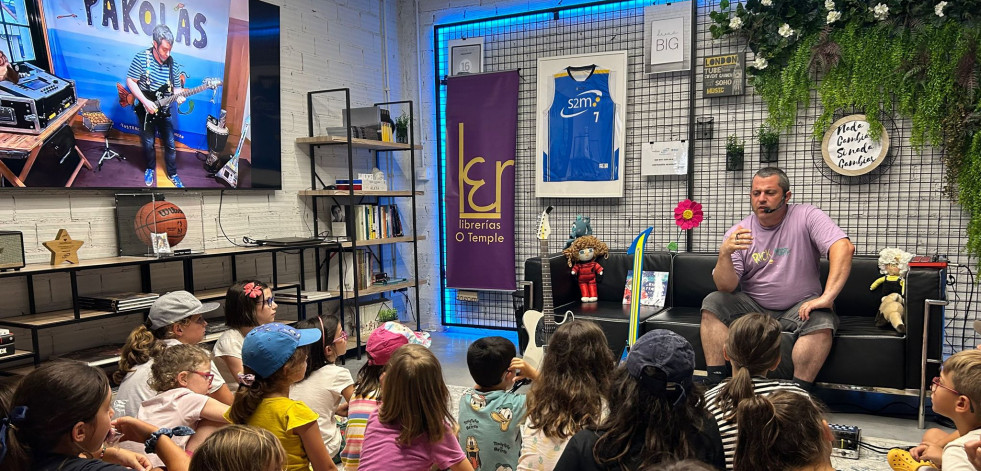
862	355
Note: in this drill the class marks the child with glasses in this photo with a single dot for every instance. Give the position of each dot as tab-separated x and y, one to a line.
956	394
175	318
248	304
326	387
182	376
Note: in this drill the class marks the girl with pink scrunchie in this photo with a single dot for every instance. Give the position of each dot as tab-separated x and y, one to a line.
248	304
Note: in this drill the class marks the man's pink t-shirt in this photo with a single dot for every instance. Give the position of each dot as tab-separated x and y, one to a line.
781	266
380	449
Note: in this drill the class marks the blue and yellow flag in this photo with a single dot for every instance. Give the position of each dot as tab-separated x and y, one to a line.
637	249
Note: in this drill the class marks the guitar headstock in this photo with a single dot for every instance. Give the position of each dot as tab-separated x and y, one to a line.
211	83
544	229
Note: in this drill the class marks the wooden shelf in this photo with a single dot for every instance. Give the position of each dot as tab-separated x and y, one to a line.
357	193
355	142
311	297
52	318
375	289
219	293
18	355
382	241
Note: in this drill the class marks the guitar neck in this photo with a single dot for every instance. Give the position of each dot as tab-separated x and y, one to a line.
183	93
547	310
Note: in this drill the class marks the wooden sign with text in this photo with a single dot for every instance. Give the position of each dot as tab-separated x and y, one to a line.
63	248
848	148
724	75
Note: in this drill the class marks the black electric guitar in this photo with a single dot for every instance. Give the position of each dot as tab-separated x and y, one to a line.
536	350
164	96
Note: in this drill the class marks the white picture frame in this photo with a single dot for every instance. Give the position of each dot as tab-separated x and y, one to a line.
667	38
548	67
466	56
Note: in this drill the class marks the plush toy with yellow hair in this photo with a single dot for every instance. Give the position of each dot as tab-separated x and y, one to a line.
582	255
893	264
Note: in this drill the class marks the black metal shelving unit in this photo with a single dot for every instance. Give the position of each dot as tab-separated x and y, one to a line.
351	197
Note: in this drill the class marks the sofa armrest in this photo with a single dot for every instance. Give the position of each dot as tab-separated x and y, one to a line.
922	284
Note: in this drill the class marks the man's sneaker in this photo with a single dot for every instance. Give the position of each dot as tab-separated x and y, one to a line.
176	181
148	177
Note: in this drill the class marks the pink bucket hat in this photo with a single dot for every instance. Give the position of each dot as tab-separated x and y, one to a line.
381	344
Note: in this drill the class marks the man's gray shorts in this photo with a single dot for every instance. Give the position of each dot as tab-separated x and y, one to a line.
731	306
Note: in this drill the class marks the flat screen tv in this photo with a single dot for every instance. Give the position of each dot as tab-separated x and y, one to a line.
208	73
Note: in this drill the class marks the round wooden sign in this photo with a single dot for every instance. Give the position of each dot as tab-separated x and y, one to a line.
849	150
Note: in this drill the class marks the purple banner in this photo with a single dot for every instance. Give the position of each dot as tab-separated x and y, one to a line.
481	134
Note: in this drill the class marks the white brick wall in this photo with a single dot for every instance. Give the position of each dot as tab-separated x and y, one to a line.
324	44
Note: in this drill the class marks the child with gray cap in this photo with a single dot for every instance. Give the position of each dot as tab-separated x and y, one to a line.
174	318
658	416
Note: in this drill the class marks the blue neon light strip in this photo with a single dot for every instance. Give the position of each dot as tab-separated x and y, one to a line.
454	27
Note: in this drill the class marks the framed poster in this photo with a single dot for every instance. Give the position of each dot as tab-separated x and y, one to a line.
667	37
466	56
580	134
849	150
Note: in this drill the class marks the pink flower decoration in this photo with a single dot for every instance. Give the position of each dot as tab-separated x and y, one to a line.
688	214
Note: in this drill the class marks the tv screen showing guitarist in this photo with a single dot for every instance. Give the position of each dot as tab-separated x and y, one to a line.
153	75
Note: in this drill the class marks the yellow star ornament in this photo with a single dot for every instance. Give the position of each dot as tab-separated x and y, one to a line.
63	248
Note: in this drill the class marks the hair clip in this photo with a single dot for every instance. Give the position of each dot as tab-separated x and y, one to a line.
17	414
246	379
252	290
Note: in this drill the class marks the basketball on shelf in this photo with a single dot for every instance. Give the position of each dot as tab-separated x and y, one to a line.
160	216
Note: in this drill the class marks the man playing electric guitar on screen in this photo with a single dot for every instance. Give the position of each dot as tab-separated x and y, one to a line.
154	69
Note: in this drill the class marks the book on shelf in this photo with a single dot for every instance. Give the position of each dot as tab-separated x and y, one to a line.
653	285
371	221
215	327
93	354
118	301
361	261
7	349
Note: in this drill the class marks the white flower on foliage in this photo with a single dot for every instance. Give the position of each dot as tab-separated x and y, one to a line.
760	63
833	16
829	5
736	22
785	30
939	9
880	11
766	3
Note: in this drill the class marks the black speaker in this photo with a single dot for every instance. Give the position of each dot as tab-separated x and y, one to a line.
11	250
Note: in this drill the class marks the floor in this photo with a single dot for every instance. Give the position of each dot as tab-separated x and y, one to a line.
877	415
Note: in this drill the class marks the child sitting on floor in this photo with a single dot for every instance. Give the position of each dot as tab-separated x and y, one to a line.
490	414
956	394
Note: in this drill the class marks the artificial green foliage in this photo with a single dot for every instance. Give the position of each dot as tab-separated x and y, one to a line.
767	136
734	145
918	59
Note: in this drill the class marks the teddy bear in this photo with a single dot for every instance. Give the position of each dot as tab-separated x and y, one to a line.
893	264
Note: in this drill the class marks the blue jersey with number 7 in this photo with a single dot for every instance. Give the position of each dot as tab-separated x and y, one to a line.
581	129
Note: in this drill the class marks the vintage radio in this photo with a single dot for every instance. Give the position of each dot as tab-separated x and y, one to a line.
11	250
35	101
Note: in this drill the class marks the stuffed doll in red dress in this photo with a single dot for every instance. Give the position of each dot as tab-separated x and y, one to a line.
582	256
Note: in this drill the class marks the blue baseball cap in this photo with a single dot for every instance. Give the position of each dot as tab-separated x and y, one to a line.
268	347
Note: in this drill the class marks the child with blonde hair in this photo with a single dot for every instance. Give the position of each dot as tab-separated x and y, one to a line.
239	448
956	394
325	385
569	395
175	318
413	421
248	304
380	346
182	376
273	361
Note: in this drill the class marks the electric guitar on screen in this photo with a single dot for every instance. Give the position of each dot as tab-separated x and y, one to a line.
163	97
535	350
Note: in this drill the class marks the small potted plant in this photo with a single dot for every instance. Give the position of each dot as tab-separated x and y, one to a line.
769	144
735	149
402	129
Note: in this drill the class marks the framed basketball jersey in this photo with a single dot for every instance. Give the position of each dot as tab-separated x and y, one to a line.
581	127
580	135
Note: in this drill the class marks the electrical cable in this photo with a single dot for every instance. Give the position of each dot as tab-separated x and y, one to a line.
221	198
411	311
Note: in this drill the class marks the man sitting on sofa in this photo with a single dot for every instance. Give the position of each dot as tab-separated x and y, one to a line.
773	257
